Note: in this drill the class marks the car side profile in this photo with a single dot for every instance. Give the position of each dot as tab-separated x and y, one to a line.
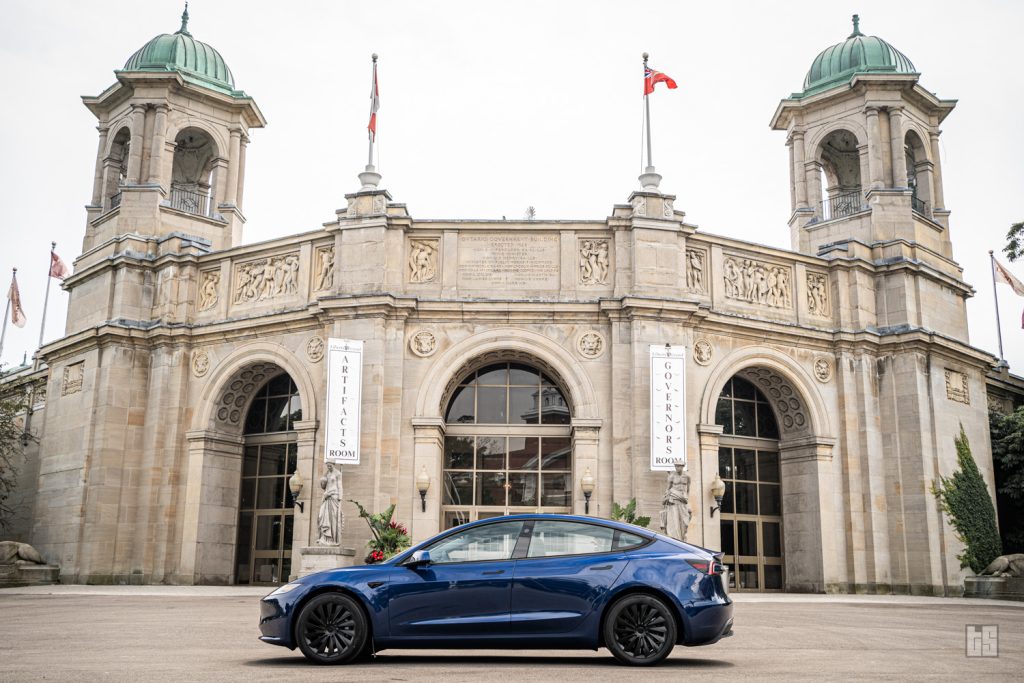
541	581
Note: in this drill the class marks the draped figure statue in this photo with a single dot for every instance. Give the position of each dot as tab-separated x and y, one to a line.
329	517
675	510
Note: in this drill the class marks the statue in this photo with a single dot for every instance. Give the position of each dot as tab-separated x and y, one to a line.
12	552
1006	565
329	518
675	510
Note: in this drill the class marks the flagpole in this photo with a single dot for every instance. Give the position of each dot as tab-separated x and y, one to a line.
995	295
371	134
647	114
46	299
7	313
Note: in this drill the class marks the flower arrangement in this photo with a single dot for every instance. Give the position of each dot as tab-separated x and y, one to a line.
389	537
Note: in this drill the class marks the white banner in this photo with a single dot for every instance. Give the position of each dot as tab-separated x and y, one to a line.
344	393
668	406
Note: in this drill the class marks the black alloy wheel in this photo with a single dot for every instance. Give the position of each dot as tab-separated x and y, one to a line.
640	630
331	629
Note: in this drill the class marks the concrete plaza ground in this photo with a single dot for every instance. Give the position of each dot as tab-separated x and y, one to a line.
156	633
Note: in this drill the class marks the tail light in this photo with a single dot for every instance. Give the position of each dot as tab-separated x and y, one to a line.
710	567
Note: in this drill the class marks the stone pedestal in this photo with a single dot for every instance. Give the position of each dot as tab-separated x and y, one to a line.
28	575
994	587
318	558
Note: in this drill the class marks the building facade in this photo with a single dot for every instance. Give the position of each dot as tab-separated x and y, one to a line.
504	360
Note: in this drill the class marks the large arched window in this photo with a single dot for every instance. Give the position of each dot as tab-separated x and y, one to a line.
266	510
748	462
507	445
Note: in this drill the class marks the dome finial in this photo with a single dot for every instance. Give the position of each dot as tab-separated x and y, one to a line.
856	26
184	22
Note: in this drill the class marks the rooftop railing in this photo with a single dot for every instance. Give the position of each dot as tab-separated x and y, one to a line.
189	202
841	205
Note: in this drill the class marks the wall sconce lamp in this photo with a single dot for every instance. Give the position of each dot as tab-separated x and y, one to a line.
423	485
295	486
587	485
718	492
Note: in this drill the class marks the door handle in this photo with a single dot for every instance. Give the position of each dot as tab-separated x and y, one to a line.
496	571
602	567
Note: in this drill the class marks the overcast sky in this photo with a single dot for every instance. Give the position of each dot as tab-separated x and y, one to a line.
488	108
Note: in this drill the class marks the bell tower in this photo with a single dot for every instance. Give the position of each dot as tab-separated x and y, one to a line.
171	160
866	180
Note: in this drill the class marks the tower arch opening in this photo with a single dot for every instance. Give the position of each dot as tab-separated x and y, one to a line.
193	172
919	172
116	167
838	156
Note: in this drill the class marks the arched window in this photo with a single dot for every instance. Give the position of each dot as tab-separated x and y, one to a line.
192	172
841	181
507	445
748	462
116	167
266	509
919	173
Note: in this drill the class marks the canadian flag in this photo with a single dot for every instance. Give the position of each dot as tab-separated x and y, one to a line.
58	268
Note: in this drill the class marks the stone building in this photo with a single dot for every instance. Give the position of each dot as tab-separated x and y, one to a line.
504	360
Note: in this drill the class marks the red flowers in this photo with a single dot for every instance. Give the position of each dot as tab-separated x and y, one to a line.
377	556
399	527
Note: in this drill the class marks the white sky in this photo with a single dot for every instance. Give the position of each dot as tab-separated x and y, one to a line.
488	107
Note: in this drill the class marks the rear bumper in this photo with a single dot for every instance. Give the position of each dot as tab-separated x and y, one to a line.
707	623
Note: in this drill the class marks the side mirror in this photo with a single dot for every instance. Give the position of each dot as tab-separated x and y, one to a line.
419	558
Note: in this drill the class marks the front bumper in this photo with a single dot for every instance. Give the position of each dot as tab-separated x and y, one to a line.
275	620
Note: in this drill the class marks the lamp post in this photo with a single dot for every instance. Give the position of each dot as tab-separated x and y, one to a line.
587	485
718	492
423	485
295	486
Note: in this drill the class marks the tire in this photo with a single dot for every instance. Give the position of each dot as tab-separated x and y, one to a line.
331	629
639	630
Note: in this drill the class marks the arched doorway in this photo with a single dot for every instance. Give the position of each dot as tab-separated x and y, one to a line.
751	512
507	445
266	508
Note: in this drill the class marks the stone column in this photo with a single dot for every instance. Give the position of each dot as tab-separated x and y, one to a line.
899	156
937	199
798	171
219	181
808	514
812	183
244	143
138	122
98	183
156	161
585	455
874	148
234	153
428	449
305	464
708	434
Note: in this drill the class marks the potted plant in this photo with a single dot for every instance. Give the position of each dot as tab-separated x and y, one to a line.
389	537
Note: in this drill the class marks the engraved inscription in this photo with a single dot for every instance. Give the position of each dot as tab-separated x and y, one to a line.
508	261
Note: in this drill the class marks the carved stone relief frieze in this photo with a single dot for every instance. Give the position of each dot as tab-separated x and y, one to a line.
696	269
956	387
758	283
595	262
266	278
639	205
668	210
378	204
209	289
74	377
817	294
422	261
324	264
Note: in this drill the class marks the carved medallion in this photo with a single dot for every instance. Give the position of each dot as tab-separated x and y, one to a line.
209	289
956	387
702	351
758	283
422	260
200	363
594	262
590	344
822	370
817	294
315	348
423	343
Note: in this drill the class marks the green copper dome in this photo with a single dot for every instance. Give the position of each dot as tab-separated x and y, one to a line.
856	55
196	61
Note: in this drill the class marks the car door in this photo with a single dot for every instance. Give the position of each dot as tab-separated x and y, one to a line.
464	590
569	566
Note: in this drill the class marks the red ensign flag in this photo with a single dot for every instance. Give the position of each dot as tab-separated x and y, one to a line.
17	314
58	268
374	103
652	78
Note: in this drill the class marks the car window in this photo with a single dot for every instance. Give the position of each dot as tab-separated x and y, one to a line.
624	539
488	542
569	538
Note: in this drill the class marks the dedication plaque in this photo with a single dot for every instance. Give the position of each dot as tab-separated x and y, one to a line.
501	261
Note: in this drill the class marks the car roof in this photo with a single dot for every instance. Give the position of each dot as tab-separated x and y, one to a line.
557	517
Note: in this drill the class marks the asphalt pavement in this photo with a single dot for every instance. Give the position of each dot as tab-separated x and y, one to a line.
165	633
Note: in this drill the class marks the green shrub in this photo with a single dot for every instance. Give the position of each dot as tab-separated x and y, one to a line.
965	499
389	536
628	514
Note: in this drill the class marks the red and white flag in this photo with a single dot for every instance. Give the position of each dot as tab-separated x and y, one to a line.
374	103
58	268
1001	274
652	78
14	296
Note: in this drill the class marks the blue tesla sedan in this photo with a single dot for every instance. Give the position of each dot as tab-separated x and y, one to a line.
523	581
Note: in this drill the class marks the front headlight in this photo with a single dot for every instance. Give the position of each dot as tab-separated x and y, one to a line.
288	587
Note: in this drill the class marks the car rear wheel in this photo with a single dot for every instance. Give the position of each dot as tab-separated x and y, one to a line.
331	629
640	630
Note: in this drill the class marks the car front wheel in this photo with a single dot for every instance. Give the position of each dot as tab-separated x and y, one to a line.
331	629
640	630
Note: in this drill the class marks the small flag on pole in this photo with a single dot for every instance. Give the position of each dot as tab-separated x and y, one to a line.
14	296
652	78
1001	274
58	268
374	103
